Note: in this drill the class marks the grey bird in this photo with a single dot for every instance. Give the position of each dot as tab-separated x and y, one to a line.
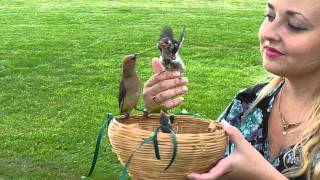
167	121
169	48
129	90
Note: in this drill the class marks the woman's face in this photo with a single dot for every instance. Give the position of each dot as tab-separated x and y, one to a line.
290	38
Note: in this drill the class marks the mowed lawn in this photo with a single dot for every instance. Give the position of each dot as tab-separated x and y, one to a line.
60	65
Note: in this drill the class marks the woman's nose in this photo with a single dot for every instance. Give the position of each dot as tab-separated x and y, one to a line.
270	31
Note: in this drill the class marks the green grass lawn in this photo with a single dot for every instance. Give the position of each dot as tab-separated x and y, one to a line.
60	64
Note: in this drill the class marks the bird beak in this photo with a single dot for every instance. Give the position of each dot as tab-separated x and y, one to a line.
135	56
161	44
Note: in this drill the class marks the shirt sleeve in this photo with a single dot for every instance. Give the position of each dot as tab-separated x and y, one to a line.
239	104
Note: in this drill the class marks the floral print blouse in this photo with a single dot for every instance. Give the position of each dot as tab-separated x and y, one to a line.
254	127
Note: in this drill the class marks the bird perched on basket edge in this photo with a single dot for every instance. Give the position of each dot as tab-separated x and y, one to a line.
129	89
169	48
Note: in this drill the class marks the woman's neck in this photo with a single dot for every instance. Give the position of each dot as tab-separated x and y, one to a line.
301	89
297	98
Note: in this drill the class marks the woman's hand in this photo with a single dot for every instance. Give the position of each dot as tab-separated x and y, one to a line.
163	88
244	163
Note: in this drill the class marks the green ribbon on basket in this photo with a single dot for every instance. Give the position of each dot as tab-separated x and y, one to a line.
96	152
174	148
154	138
156	144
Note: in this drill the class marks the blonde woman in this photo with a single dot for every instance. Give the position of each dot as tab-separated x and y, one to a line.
274	128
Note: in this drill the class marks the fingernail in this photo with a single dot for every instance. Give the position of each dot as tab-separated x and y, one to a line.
184	89
181	98
189	176
176	73
225	123
184	79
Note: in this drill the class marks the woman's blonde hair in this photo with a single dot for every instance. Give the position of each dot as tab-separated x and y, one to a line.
309	143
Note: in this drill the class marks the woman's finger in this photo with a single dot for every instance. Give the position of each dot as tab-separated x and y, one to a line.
170	93
234	135
171	103
156	65
166	98
223	167
164	75
169	85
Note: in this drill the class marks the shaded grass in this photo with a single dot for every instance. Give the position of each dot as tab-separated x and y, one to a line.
60	64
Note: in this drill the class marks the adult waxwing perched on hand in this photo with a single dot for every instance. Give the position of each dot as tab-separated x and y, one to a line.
169	48
129	90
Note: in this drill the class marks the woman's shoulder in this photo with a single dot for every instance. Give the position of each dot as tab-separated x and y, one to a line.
240	103
249	94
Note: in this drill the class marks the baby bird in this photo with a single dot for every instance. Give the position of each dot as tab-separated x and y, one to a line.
169	48
167	121
129	90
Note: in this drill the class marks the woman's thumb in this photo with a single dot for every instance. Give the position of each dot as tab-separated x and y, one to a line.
234	134
156	65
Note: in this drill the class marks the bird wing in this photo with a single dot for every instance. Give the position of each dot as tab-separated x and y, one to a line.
178	43
122	94
176	47
181	38
164	121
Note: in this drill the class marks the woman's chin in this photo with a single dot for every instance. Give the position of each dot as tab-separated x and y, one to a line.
273	68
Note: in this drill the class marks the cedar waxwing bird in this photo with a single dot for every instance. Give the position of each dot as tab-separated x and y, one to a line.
169	48
167	121
129	90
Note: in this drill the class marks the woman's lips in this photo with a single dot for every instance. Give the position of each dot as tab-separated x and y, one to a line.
272	52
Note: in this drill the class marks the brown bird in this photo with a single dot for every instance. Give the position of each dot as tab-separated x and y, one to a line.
129	90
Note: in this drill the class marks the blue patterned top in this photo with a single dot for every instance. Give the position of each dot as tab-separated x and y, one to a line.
254	126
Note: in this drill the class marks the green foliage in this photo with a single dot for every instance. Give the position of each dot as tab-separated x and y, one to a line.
60	64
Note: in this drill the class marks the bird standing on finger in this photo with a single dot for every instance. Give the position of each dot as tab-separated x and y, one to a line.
129	90
169	48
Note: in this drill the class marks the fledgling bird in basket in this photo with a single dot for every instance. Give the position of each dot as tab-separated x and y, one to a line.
168	121
169	48
129	90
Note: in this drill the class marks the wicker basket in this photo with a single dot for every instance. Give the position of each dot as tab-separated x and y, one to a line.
197	148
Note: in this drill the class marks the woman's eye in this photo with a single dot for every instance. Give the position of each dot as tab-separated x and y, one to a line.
295	27
269	17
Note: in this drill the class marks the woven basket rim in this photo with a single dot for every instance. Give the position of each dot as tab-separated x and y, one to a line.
217	124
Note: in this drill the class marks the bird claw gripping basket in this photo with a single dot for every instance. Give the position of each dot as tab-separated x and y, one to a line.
197	147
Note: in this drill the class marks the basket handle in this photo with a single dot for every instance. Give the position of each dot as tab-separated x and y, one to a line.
96	152
154	139
174	142
123	174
